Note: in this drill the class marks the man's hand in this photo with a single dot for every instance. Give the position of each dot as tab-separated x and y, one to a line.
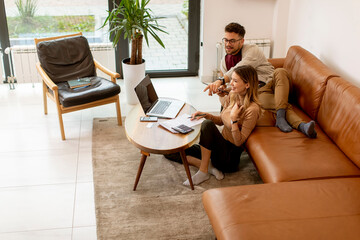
213	87
222	91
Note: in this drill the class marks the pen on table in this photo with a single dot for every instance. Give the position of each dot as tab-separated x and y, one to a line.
199	115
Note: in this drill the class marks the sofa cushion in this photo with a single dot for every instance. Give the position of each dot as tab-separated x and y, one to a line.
281	157
314	209
339	116
277	62
308	76
66	59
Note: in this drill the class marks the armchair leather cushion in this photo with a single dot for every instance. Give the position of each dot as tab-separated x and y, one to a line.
100	88
66	59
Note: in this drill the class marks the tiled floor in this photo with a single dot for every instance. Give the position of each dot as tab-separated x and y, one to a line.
46	185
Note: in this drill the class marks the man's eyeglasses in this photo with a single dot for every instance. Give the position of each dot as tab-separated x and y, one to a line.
231	41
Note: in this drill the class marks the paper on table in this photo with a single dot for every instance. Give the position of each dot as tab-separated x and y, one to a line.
183	119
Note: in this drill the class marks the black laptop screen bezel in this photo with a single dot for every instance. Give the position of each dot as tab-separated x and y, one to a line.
152	97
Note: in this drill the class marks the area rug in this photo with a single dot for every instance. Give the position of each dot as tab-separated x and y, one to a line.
161	207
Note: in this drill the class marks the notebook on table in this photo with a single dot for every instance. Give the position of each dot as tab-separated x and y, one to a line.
152	104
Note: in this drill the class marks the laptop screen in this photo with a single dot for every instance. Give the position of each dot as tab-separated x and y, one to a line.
146	94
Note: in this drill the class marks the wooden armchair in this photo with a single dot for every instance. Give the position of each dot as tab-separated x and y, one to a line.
68	57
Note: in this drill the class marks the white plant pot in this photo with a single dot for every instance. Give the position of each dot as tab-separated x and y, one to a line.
132	75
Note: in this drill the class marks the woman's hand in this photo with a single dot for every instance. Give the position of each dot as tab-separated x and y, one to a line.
235	111
197	115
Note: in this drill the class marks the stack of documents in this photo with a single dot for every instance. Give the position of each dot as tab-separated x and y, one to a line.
184	119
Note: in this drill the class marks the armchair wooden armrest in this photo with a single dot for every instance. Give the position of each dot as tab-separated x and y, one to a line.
112	74
46	78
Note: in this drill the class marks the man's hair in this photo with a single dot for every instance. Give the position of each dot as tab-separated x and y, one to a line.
235	28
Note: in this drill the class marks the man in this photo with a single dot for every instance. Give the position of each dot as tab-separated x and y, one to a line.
274	84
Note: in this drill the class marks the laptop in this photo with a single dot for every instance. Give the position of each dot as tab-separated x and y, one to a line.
152	104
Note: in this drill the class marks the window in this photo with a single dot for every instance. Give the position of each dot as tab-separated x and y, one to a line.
174	16
29	19
180	56
24	20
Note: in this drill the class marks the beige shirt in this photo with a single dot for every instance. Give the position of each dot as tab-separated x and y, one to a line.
246	121
252	55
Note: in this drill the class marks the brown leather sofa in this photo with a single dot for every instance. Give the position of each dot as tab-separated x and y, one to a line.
312	186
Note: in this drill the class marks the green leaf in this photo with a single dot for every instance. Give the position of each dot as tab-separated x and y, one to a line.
131	18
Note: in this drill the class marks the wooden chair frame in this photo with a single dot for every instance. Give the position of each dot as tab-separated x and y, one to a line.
48	85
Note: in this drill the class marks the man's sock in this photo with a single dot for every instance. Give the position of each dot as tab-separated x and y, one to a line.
281	122
215	172
198	178
308	129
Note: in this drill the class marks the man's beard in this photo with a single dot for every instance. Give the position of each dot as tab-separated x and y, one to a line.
231	51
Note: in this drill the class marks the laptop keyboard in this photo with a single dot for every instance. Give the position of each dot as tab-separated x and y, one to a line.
161	107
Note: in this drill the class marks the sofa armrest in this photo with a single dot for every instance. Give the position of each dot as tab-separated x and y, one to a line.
277	62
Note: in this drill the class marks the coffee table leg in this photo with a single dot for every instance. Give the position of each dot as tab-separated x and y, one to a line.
186	166
144	155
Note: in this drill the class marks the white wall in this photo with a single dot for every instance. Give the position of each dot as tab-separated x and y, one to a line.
255	15
280	28
330	29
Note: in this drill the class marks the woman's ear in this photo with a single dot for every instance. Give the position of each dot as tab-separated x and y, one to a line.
247	85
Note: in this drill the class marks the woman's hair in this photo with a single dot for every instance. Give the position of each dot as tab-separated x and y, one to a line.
249	75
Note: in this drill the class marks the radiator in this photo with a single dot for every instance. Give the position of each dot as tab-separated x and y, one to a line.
263	44
24	59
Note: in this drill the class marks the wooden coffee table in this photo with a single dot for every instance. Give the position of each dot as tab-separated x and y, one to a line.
158	140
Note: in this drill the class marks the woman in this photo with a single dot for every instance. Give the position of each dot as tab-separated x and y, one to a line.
239	115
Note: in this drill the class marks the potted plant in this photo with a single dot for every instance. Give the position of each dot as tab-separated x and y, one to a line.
135	21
